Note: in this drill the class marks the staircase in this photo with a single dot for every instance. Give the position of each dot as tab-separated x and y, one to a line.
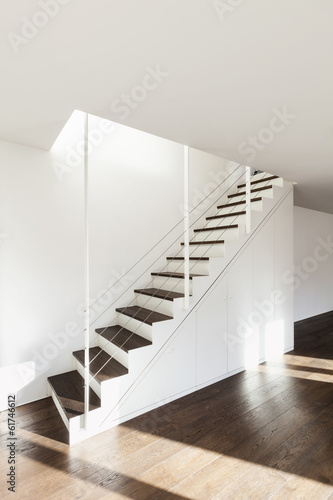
146	325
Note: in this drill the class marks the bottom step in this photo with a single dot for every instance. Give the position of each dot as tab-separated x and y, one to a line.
69	390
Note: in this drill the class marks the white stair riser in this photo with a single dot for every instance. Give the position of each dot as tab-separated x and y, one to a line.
278	182
136	326
109	391
256	206
237	219
221	234
217	250
114	351
155	304
76	424
196	266
172	284
104	390
261	175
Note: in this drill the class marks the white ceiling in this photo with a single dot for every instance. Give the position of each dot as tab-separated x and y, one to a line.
226	75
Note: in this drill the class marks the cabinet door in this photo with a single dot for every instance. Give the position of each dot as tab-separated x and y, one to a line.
284	248
212	339
263	289
243	338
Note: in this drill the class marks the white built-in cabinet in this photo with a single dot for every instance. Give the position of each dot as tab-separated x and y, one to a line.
248	316
284	260
212	336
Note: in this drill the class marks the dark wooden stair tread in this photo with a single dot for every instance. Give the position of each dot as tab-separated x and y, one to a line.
232	214
231	226
180	276
123	338
160	294
103	366
191	258
265	179
144	315
69	389
256	190
214	242
236	203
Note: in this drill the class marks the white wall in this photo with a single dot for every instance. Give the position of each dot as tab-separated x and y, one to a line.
313	273
136	198
41	271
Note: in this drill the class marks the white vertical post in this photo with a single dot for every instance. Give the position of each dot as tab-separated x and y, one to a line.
186	230
248	199
86	321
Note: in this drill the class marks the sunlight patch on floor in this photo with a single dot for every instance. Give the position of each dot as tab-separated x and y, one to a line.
228	478
319	370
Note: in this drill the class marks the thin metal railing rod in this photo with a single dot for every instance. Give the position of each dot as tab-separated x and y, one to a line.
186	230
87	275
248	200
